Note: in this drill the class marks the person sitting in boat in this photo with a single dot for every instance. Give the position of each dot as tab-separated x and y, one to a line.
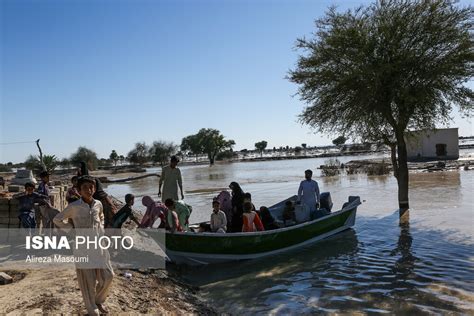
183	211
225	202
248	198
267	219
218	218
154	210
237	207
289	216
251	220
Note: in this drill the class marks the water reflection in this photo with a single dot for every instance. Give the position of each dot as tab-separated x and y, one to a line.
405	265
361	270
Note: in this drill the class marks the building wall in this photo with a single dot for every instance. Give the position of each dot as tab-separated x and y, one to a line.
422	144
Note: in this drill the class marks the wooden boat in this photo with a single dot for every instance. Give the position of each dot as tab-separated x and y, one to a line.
204	248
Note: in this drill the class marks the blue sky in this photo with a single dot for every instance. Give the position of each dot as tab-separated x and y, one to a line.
106	74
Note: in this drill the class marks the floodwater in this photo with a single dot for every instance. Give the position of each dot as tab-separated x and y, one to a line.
424	267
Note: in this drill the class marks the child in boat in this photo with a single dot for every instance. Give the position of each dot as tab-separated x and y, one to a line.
251	220
289	215
218	218
125	212
267	219
248	198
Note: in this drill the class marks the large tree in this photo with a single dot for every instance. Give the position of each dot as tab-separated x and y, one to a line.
207	141
375	72
160	152
87	155
260	146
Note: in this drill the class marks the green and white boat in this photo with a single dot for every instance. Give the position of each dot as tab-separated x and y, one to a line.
204	248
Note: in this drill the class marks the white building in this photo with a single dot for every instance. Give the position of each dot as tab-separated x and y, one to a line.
433	144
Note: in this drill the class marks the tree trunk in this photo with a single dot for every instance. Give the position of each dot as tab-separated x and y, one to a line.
402	177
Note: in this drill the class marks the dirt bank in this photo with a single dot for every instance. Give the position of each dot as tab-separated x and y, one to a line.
56	291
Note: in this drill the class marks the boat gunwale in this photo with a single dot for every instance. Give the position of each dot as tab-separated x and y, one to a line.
347	208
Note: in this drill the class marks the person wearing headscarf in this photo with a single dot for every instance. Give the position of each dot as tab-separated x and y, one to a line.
237	207
154	210
225	202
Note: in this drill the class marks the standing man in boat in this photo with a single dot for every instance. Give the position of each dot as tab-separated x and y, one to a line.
308	192
171	180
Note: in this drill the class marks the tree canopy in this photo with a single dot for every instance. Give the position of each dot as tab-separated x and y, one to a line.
160	151
341	140
139	154
87	155
207	141
374	72
114	157
260	146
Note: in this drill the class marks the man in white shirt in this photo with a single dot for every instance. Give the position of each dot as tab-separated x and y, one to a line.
308	192
170	180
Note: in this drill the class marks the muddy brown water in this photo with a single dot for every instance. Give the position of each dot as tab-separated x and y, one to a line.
424	267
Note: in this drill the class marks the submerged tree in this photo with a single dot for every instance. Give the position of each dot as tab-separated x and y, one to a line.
375	72
260	146
207	141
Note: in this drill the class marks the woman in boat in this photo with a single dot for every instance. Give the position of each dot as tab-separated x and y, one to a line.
237	207
251	220
267	219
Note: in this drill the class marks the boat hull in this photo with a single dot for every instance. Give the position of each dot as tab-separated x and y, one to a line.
205	248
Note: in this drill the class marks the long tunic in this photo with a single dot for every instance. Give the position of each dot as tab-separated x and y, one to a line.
308	193
95	283
171	178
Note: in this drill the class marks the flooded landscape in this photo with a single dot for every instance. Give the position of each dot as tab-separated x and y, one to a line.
425	266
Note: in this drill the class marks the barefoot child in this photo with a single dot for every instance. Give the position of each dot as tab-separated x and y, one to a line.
87	213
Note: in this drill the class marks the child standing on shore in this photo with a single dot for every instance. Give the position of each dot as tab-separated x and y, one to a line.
87	213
